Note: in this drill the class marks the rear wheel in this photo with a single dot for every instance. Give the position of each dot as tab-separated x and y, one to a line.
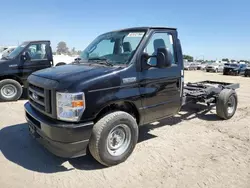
10	90
226	103
113	138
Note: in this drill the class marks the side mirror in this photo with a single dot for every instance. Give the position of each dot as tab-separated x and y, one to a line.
144	59
164	57
25	56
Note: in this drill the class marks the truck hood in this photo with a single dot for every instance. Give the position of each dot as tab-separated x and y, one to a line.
73	73
7	63
2	61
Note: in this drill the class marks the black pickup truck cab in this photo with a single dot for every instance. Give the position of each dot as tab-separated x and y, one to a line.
123	79
15	68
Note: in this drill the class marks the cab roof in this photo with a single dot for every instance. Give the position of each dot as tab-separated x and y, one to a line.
36	41
145	28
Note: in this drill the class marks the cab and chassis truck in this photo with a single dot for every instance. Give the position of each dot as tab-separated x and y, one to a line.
15	68
124	79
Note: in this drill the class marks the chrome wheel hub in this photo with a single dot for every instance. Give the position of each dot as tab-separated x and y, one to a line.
231	105
8	91
118	140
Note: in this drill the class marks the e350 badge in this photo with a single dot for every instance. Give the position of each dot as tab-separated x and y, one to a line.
129	80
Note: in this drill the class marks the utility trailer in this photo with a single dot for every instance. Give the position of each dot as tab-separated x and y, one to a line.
212	92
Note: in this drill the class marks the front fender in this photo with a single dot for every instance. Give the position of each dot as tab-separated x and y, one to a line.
129	93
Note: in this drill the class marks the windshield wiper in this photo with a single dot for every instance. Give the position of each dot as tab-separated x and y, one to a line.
101	61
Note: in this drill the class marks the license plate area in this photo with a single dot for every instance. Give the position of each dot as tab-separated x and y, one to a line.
33	131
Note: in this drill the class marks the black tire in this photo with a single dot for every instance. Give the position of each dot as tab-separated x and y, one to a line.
98	145
60	64
12	84
223	104
207	70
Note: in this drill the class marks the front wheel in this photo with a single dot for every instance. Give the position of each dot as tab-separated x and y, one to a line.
113	138
10	90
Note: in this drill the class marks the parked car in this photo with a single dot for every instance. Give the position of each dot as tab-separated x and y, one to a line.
186	65
214	67
99	103
247	71
202	66
234	69
7	51
190	66
2	48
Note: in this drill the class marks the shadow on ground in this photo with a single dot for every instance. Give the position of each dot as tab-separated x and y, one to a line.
188	112
19	147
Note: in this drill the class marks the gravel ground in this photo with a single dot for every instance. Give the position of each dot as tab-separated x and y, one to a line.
192	149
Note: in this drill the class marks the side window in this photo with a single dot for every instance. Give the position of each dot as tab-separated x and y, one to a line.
105	47
37	52
160	40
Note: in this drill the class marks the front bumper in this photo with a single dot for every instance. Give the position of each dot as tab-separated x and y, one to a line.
68	140
210	69
230	71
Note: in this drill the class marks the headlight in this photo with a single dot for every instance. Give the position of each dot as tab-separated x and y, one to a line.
70	106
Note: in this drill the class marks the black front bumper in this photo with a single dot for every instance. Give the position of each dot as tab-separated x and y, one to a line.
230	71
63	139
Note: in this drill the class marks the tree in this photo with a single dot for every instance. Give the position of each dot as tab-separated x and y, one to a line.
188	57
225	59
73	51
79	52
246	61
62	48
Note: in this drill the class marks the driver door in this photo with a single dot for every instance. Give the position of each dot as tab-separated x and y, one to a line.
160	87
37	60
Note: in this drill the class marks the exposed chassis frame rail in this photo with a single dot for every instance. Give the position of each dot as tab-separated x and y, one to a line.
205	91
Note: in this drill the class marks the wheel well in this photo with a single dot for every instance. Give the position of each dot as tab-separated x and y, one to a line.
121	106
60	63
11	77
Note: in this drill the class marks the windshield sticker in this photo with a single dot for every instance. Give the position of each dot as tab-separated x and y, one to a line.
139	34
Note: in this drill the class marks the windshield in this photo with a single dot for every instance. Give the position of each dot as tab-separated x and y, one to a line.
234	65
17	51
115	47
